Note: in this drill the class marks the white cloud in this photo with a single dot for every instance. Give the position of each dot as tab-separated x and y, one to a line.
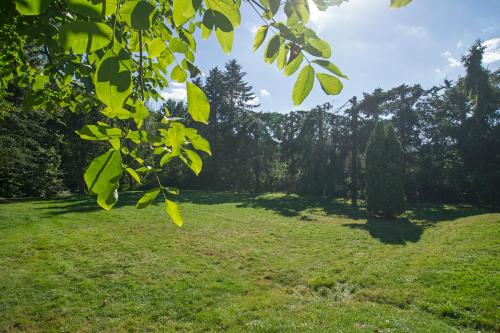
492	52
413	30
176	92
452	61
317	17
254	101
338	14
354	13
264	93
459	44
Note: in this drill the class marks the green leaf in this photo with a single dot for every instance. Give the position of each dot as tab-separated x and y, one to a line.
297	12
228	8
84	37
183	11
147	198
286	33
272	7
399	3
329	83
303	85
207	24
113	78
281	58
188	38
192	160
260	36
138	14
293	65
141	113
176	137
165	159
134	174
99	132
134	155
178	74
272	49
119	113
323	4
302	9
31	7
194	71
165	59
178	46
93	8
155	47
198	142
104	172
115	143
173	211
107	199
198	105
224	31
225	39
318	47
40	81
172	190
331	67
159	150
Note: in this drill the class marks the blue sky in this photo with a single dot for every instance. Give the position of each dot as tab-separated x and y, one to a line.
374	45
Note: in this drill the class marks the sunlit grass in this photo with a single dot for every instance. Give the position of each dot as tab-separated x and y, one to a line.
271	263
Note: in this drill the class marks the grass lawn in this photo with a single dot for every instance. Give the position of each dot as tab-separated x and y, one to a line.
269	263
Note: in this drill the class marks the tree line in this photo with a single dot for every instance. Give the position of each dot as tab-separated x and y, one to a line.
450	136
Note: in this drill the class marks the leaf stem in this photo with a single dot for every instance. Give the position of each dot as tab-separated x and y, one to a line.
161	187
252	4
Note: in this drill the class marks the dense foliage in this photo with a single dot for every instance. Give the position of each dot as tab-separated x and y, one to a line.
113	56
450	145
449	135
29	162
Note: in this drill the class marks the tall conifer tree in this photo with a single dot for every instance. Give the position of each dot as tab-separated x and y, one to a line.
384	173
394	195
375	173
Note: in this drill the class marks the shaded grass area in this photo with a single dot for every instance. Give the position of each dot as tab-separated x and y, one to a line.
242	262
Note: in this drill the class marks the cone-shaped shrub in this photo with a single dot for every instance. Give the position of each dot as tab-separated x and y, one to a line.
384	177
375	164
394	182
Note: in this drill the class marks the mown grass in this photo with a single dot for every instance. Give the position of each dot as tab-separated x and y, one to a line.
269	263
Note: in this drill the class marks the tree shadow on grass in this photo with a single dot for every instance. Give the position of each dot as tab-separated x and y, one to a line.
288	205
80	204
407	229
418	217
435	212
293	206
391	231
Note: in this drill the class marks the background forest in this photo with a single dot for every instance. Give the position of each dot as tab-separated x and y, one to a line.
450	135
